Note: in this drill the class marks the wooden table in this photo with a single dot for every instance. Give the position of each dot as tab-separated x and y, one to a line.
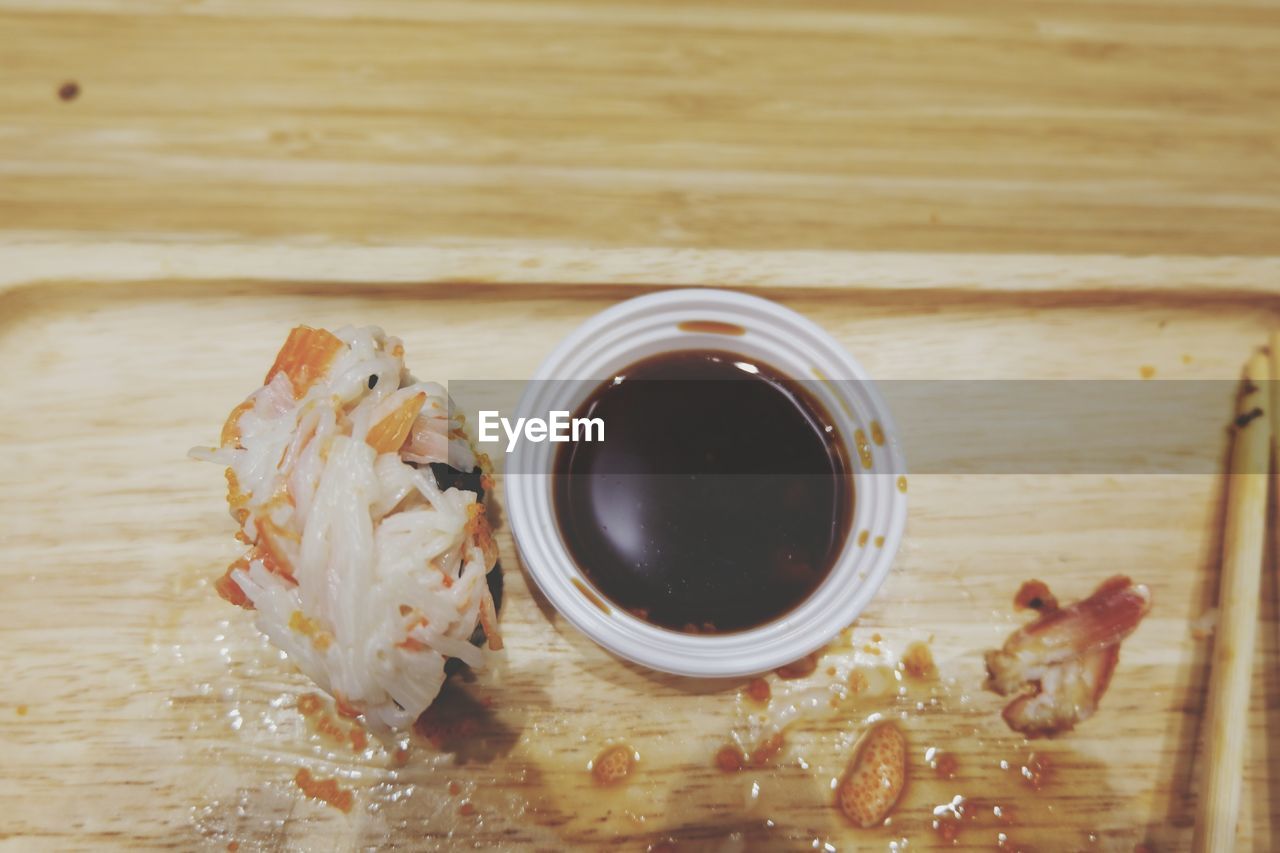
994	190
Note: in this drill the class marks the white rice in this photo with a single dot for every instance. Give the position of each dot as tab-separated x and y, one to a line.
359	566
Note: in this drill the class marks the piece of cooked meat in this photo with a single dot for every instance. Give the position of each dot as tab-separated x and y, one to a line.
1060	665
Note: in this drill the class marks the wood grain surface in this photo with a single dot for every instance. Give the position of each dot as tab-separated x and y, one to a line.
1011	125
141	710
997	190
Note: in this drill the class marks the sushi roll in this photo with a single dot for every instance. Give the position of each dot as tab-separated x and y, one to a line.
359	498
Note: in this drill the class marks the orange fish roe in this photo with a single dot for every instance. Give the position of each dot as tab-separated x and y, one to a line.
876	776
613	764
466	809
455	789
324	790
327	726
1035	595
309	704
800	668
308	627
233	846
730	759
758	689
917	662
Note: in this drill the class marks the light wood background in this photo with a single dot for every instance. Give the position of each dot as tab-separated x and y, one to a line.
1025	190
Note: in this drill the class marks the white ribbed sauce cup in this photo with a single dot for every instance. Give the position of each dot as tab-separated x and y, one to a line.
676	320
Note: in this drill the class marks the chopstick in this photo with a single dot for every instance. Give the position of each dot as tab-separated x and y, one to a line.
1218	809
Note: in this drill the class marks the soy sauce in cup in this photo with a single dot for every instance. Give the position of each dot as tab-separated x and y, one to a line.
719	500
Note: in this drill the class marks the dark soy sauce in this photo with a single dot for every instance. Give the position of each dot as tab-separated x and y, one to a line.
719	499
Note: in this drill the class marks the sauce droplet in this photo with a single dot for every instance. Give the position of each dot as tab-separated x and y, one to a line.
1035	595
863	537
799	668
758	689
69	90
902	484
324	790
917	662
729	759
877	432
713	327
864	448
589	595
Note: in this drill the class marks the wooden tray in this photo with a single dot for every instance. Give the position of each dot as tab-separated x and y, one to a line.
140	710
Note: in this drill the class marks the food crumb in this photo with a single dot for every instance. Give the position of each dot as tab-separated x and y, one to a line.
1204	625
858	681
613	765
1147	371
879	541
21	710
758	689
69	91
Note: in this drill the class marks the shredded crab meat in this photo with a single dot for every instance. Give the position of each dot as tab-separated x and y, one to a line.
1059	666
358	566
